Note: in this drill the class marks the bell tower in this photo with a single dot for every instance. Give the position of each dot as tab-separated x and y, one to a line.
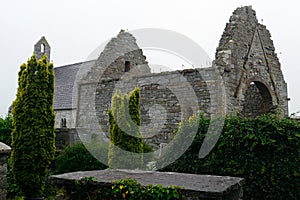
42	47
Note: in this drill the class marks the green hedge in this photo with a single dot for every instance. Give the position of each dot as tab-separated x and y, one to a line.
265	151
78	158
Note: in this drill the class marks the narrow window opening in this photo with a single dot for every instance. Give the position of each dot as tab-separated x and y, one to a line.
127	66
42	48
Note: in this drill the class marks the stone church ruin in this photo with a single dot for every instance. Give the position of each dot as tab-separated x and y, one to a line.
245	66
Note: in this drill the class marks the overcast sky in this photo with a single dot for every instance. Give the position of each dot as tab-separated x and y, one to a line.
74	28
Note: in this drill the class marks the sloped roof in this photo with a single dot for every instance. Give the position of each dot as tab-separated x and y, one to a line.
65	79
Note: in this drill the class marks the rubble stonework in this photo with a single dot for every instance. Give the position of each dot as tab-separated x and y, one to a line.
161	110
246	55
42	47
4	153
245	59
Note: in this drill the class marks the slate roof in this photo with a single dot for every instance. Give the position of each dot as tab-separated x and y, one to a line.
65	79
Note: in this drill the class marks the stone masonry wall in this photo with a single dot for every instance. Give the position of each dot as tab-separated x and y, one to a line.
253	107
3	172
4	153
42	47
69	115
258	101
111	64
166	99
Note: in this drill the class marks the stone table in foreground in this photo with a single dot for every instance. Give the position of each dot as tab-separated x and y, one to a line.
194	186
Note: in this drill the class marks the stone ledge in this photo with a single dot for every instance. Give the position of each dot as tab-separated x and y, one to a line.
194	186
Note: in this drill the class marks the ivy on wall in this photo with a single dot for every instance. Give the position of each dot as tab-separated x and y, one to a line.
264	150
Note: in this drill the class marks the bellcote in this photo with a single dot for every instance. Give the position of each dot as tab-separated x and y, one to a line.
42	47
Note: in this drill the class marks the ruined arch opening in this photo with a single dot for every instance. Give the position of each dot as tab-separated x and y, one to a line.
258	100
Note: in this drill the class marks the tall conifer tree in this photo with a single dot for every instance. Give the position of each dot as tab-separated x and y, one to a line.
33	137
125	135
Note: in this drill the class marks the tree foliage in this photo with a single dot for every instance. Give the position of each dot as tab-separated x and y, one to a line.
33	137
124	131
6	129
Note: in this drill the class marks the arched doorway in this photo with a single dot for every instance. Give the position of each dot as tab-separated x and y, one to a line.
258	100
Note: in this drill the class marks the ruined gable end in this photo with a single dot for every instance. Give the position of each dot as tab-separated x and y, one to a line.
249	66
120	55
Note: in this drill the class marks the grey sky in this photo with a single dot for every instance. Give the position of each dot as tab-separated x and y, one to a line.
75	28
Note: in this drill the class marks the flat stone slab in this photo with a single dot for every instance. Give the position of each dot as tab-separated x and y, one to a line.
205	184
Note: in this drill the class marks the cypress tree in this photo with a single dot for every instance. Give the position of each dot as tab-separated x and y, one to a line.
33	137
124	131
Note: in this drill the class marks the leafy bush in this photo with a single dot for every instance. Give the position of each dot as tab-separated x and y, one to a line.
128	188
6	129
78	158
265	151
